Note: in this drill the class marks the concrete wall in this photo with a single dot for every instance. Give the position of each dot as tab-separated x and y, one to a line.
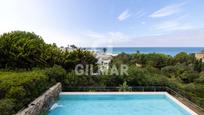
44	102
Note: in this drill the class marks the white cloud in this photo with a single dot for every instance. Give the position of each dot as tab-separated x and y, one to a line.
124	15
172	25
140	13
167	10
182	38
33	16
93	34
109	39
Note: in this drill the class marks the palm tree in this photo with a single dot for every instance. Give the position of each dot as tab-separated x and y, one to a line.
104	50
73	46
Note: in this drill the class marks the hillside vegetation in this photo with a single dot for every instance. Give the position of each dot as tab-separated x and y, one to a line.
182	72
29	66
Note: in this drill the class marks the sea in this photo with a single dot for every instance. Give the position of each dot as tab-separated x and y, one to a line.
165	50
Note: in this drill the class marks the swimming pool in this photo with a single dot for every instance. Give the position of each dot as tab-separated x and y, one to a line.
160	103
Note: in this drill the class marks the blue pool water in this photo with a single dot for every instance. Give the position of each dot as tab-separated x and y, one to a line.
134	104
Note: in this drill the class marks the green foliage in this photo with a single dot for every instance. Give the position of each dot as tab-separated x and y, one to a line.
157	60
78	56
56	74
52	55
22	87
200	79
124	87
189	77
169	71
195	93
152	59
26	50
21	50
183	57
198	65
7	106
16	92
121	59
142	77
183	73
73	80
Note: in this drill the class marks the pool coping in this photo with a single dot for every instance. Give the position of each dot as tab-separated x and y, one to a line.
125	93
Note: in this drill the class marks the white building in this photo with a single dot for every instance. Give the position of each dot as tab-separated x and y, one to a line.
200	56
104	60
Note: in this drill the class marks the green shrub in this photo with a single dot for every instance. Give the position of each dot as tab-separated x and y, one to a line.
20	49
22	87
16	92
189	77
201	78
7	106
124	87
73	80
56	73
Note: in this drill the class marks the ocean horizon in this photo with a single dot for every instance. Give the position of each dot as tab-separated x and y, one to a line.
164	50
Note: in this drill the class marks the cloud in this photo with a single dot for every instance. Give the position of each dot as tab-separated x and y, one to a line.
140	13
167	10
182	38
109	39
93	34
172	25
124	15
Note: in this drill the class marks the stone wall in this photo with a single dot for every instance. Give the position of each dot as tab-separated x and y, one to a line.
42	103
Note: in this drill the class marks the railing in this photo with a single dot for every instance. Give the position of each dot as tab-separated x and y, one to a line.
183	97
107	89
176	93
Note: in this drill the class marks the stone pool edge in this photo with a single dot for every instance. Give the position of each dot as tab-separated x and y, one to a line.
43	103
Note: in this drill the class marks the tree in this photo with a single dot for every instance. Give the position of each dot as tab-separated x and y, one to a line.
198	65
201	78
26	50
104	50
189	77
19	49
169	71
183	57
78	56
56	74
73	46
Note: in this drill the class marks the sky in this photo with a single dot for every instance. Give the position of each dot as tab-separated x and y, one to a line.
108	23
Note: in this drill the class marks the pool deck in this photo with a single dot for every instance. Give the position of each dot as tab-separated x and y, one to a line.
178	101
109	93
